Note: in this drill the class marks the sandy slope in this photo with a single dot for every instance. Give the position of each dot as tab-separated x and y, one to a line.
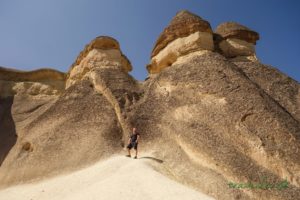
116	178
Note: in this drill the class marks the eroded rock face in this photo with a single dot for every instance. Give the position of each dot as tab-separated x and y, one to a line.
237	41
223	116
102	52
212	117
180	47
38	82
238	31
22	96
186	33
49	134
235	47
283	89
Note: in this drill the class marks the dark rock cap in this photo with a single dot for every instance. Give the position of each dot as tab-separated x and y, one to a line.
182	25
238	31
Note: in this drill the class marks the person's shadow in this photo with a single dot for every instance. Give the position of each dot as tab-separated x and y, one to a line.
152	158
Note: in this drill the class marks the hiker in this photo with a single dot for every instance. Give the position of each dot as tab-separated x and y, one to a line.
133	142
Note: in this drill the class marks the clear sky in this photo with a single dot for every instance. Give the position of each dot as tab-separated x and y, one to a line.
51	33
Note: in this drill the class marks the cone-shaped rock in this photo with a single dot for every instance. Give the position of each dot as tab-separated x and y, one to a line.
103	52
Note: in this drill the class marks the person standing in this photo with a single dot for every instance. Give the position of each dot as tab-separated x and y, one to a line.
133	142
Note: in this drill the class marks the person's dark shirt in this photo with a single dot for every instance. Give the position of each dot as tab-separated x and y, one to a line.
134	137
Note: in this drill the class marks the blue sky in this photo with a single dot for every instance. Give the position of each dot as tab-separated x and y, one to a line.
41	33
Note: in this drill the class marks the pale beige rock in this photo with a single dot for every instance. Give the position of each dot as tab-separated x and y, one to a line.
111	58
232	47
238	31
181	46
236	41
41	131
183	24
36	82
102	52
185	33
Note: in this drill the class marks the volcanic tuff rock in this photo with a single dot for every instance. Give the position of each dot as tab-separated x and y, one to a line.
186	33
211	115
238	31
42	81
102	52
236	40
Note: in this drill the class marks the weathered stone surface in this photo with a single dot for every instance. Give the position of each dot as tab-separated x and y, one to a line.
49	134
44	74
237	31
182	25
77	129
235	47
180	47
209	114
37	82
236	41
283	89
185	34
102	52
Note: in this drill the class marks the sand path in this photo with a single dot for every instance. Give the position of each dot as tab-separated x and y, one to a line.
117	178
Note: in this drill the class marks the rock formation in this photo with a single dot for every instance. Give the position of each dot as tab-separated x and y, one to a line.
103	52
236	40
186	32
42	81
209	109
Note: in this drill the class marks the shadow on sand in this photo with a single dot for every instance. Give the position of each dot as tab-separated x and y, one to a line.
8	136
152	158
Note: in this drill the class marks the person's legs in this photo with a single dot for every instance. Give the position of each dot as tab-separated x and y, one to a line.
128	152
129	146
136	150
136	153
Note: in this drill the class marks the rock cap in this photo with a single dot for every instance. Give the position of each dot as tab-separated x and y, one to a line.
238	31
182	25
101	42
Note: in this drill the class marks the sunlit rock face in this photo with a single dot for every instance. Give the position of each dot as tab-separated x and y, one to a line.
186	33
103	52
236	41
